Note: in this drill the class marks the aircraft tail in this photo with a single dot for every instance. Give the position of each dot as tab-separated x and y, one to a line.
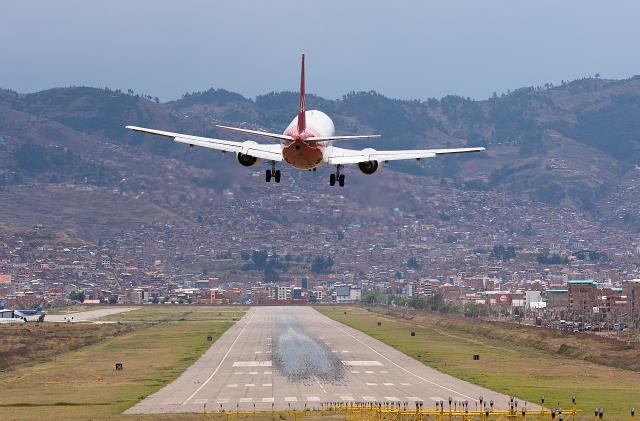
302	123
40	305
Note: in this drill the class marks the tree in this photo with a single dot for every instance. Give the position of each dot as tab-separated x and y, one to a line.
474	310
413	263
77	296
270	274
322	264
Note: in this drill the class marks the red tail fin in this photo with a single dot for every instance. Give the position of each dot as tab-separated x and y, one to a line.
302	124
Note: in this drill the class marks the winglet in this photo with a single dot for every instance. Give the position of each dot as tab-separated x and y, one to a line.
302	124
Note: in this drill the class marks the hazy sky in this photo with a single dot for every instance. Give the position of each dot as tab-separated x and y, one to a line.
404	49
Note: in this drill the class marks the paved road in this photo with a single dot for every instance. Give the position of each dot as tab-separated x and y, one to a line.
85	316
295	355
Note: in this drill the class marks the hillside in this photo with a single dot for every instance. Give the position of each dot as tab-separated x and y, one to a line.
574	145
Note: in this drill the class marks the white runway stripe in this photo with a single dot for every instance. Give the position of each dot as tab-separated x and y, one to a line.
252	364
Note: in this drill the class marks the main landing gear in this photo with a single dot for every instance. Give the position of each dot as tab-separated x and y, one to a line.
337	177
272	173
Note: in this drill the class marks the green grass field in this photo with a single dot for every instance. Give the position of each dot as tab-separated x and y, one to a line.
83	384
504	365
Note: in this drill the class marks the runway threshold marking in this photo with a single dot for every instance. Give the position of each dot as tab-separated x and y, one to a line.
221	361
264	363
337	326
363	363
313	399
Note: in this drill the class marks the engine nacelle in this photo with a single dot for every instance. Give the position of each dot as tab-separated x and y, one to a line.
368	167
247	160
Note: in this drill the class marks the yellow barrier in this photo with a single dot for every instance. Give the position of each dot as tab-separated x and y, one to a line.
402	412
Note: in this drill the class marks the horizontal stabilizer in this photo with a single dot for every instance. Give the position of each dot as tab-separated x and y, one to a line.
334	138
257	132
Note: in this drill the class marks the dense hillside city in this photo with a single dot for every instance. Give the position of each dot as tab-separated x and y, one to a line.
545	226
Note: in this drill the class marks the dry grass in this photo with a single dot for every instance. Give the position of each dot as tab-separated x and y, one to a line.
527	363
83	384
601	350
30	343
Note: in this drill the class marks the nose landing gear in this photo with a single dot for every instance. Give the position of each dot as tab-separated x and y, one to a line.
337	177
272	173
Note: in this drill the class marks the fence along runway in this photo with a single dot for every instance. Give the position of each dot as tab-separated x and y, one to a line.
289	357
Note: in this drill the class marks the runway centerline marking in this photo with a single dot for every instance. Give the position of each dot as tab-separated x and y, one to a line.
369	398
337	326
223	400
290	399
245	400
221	361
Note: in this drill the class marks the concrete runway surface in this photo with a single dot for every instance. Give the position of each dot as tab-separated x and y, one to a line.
86	316
294	356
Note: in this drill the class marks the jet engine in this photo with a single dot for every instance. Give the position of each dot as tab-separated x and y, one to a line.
368	167
247	160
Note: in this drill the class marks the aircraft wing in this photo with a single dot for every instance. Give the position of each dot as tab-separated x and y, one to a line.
272	152
341	156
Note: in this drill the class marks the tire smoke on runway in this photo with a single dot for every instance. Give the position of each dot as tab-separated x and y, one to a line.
301	357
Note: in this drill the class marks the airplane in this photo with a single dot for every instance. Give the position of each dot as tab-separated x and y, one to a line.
26	315
306	144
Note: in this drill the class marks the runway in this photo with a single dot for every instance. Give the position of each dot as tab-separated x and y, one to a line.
86	316
294	356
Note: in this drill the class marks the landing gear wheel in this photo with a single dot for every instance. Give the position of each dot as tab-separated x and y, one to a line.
268	176
332	180
341	180
277	176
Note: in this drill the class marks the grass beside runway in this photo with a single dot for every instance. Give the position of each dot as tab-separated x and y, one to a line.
505	364
84	384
